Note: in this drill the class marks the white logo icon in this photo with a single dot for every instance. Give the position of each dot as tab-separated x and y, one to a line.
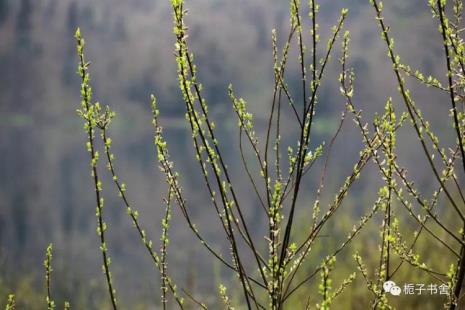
391	287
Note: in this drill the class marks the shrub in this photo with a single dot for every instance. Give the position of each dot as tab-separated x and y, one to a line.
273	269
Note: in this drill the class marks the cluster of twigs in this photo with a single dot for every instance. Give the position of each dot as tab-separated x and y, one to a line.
276	273
399	187
273	278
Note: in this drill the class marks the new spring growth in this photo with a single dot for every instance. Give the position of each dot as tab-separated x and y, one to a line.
11	304
48	272
277	271
325	286
224	297
94	119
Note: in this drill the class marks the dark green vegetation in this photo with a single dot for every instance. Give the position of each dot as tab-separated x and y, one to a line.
312	250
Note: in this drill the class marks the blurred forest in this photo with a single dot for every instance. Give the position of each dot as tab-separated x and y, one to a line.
45	194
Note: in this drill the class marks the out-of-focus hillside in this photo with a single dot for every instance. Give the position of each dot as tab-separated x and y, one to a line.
45	194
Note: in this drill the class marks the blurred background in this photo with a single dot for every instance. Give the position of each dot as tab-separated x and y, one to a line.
46	192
